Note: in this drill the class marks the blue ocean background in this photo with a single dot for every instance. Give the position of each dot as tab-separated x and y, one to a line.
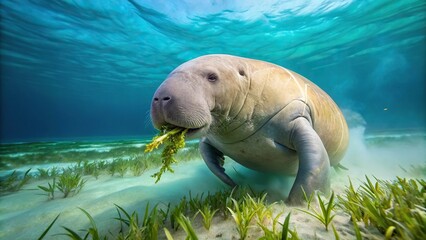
77	78
88	69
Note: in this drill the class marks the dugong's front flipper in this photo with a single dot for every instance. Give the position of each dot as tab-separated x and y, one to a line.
214	160
314	165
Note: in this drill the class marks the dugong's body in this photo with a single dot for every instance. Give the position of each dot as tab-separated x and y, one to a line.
261	115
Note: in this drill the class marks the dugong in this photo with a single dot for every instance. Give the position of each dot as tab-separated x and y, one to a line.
261	115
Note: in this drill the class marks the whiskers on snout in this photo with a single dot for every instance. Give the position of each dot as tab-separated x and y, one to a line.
147	123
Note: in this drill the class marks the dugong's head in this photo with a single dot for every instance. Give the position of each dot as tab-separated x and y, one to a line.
200	94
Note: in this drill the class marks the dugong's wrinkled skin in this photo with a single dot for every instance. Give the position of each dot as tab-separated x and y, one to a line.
261	115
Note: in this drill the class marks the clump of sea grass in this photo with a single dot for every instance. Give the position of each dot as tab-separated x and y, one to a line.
146	229
122	166
174	140
273	233
207	213
186	225
286	233
93	231
181	208
242	213
324	215
49	190
70	182
137	167
396	209
43	173
13	182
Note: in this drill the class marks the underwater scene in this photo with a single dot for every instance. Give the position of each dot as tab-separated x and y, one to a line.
213	119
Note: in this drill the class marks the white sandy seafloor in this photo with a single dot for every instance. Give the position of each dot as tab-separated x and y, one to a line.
26	213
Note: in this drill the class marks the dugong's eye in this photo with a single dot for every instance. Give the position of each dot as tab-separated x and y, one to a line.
212	77
241	72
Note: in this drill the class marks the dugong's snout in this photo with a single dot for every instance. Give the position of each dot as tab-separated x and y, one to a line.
178	104
159	102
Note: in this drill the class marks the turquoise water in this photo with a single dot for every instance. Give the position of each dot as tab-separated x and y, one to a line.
77	78
88	69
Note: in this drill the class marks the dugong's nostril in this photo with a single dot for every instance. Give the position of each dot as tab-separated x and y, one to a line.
161	99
